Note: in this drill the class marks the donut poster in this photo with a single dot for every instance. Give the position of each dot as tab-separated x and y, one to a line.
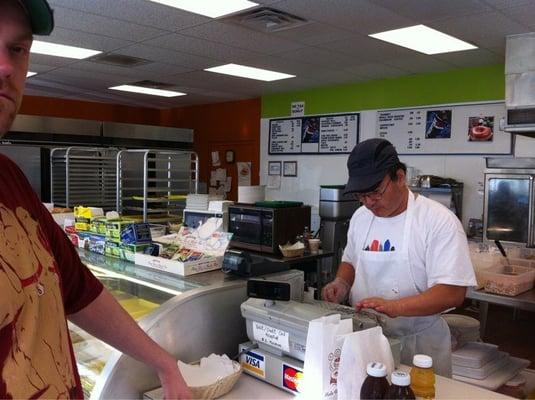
446	129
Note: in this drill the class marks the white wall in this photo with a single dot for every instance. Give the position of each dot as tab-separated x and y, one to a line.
316	170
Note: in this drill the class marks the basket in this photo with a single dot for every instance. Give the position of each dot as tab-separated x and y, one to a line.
219	388
292	252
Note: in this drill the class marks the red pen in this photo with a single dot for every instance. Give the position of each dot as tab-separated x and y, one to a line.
374	246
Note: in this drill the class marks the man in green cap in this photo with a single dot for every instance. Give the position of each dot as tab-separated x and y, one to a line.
42	280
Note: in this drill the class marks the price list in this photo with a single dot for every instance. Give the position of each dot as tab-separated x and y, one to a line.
285	136
321	134
338	134
405	128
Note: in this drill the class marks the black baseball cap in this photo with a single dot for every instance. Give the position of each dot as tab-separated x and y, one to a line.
40	15
368	164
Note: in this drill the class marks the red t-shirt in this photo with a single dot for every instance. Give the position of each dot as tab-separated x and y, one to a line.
41	281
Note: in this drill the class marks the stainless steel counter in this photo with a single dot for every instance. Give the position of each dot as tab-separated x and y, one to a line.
524	301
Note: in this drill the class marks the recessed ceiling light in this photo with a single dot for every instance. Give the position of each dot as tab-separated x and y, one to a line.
30	73
209	8
144	90
423	39
249	72
60	50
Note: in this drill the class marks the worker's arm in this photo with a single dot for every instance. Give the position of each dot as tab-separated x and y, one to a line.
433	301
105	319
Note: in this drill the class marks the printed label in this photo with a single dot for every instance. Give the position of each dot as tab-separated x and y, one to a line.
271	336
253	363
291	378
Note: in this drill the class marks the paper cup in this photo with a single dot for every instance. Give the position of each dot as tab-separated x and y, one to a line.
314	245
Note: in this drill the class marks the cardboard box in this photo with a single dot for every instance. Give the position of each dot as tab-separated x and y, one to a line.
128	251
115	227
98	225
113	249
178	267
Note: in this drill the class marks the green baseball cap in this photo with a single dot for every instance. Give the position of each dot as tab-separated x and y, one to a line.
40	14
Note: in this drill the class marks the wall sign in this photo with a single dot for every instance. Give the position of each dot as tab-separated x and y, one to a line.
446	129
319	134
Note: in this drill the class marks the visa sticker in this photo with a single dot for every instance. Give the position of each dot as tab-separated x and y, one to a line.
291	378
253	363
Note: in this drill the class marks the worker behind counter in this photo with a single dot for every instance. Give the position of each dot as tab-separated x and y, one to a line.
406	256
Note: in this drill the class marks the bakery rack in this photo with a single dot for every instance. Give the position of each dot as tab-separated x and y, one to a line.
153	184
83	176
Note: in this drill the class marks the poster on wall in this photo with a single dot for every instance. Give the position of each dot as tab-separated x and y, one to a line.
318	134
446	129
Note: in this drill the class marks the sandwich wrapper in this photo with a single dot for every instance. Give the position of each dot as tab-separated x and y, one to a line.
208	371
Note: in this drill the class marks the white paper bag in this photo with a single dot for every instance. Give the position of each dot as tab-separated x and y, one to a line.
359	349
323	348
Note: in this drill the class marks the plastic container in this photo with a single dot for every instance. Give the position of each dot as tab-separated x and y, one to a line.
423	377
474	354
483	372
401	387
375	385
515	387
157	230
508	280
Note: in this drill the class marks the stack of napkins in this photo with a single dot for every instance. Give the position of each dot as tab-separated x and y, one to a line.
210	370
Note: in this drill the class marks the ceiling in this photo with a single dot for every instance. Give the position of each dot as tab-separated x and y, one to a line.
332	49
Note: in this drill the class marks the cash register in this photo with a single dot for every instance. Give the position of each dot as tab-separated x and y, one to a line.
277	326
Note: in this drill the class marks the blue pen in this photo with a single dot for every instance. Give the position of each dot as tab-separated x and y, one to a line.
387	245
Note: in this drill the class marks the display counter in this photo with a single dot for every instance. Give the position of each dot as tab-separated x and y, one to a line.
142	292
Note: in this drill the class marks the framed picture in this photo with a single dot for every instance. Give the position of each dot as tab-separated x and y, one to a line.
290	168
274	168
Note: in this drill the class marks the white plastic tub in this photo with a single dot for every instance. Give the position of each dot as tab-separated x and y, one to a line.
508	280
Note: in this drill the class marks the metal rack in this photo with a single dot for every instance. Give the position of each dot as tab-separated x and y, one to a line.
154	183
83	176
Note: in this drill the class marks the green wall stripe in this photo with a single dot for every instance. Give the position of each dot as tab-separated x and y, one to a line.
456	86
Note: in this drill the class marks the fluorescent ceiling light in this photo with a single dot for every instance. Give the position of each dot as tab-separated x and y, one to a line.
144	90
30	73
209	8
60	50
423	39
249	72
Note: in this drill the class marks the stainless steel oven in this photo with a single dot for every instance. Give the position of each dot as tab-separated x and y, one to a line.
509	200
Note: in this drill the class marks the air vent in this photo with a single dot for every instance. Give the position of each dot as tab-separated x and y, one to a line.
119	60
266	19
147	83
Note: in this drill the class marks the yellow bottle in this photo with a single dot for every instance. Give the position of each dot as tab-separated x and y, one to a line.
423	377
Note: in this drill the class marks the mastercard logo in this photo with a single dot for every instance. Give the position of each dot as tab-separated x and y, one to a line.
291	378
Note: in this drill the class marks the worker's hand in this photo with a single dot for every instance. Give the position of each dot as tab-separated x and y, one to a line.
389	307
336	291
173	384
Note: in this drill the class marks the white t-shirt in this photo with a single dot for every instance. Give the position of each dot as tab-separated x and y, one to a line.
438	248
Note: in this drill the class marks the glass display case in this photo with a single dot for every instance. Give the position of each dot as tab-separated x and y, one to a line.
139	290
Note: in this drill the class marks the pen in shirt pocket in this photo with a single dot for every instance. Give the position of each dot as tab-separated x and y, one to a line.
386	247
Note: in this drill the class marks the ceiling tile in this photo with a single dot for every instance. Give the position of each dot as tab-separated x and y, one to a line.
502	4
430	10
522	15
471	58
237	36
476	28
200	47
318	56
419	64
357	15
138	11
77	20
89	41
159	54
314	33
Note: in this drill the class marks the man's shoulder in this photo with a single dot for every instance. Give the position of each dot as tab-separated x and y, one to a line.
432	214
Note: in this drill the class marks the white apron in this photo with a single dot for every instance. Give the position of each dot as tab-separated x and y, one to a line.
387	274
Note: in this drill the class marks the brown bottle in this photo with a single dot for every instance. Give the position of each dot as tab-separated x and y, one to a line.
375	385
401	387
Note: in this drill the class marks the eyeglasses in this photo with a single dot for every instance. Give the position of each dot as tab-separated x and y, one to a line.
375	195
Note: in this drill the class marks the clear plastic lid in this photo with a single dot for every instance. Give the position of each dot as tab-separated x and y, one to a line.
376	369
422	361
400	378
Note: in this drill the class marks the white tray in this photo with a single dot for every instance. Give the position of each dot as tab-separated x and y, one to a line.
474	354
498	378
485	370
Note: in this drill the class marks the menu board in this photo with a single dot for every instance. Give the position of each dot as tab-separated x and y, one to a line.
446	129
318	134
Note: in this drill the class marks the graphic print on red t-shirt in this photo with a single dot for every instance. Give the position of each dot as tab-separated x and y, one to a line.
35	354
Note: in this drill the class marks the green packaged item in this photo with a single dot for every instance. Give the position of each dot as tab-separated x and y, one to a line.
113	249
98	225
115	227
128	251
